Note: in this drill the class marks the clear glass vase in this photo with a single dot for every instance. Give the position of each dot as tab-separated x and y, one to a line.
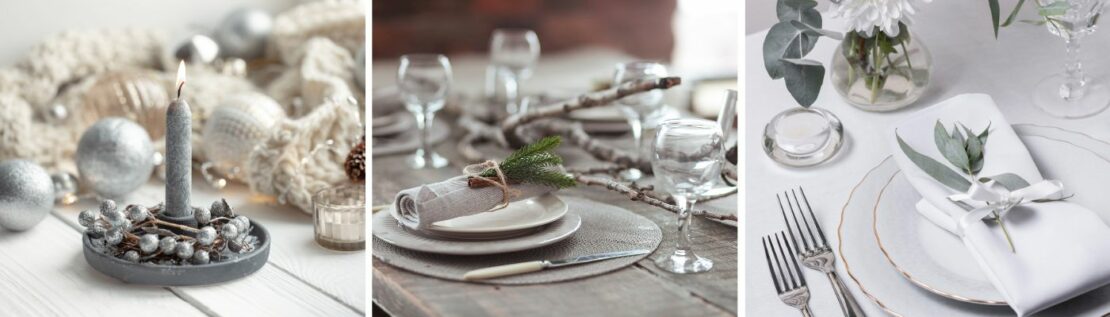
879	72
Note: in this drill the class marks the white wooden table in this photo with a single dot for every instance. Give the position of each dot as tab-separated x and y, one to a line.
967	59
43	271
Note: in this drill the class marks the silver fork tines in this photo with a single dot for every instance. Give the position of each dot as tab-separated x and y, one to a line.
814	252
787	276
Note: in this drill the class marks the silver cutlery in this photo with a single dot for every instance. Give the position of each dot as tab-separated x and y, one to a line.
814	251
787	276
534	266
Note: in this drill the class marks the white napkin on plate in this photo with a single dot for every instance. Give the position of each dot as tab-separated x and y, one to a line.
419	207
1062	249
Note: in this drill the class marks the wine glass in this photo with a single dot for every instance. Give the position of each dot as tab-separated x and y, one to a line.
686	162
424	81
514	52
638	107
1071	94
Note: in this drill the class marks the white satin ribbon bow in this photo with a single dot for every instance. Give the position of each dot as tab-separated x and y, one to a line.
1001	200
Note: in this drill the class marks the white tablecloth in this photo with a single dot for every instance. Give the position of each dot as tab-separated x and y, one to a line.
966	59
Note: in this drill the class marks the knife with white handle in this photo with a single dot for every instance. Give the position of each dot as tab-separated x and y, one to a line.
533	266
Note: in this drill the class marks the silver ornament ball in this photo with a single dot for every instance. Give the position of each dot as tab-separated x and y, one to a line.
114	157
238	124
360	67
26	194
198	49
244	33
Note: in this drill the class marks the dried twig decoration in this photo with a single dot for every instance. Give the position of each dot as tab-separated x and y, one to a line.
643	196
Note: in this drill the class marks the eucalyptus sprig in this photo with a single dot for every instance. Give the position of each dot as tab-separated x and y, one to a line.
1048	13
789	41
535	163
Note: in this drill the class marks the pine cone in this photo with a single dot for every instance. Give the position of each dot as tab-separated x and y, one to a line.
355	166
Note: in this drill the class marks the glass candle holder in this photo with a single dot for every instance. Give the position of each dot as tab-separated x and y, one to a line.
339	217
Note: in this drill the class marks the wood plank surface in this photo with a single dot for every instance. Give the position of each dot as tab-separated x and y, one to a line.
44	273
638	290
301	277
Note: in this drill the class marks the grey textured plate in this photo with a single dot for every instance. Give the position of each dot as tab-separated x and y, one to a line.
387	228
185	275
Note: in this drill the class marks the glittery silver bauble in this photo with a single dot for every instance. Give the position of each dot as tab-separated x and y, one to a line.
132	95
65	187
244	33
26	194
360	68
236	126
114	157
197	49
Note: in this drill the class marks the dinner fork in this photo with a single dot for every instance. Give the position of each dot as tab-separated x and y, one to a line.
787	276
815	252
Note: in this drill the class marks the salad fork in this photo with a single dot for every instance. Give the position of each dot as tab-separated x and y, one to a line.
787	276
815	252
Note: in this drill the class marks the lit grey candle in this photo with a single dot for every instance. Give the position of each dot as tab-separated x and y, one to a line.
179	153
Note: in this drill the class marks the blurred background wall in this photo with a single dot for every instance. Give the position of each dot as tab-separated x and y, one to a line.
641	28
24	23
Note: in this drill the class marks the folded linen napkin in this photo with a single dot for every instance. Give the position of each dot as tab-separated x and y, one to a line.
419	207
1062	249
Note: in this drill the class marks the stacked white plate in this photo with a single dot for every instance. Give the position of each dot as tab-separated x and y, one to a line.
896	257
522	225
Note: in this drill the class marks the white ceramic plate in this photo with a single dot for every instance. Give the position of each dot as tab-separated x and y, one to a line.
522	214
1059	153
387	228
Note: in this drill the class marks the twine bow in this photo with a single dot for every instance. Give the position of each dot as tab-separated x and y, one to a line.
476	170
1001	200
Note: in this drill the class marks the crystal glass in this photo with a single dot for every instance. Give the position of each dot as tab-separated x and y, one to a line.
514	52
871	78
803	136
686	163
339	217
1071	94
637	108
424	80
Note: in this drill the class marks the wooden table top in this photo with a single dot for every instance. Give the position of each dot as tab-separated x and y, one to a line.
637	290
45	273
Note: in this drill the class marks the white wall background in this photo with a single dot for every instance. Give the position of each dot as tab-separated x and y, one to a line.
25	23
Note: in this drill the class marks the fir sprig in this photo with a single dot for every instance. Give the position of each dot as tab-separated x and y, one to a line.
535	164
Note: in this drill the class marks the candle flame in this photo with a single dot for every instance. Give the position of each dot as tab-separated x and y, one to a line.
180	77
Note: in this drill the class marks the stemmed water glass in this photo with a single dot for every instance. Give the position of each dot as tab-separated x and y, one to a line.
1071	94
686	162
424	80
637	108
514	53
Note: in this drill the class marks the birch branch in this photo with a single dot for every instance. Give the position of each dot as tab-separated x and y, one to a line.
641	196
509	125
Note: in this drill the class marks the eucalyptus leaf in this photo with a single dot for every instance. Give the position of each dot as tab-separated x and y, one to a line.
803	79
799	10
784	40
983	135
1010	181
993	4
933	168
1013	14
975	154
814	31
953	152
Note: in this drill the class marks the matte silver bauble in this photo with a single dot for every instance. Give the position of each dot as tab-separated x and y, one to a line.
26	194
114	157
198	49
244	33
236	126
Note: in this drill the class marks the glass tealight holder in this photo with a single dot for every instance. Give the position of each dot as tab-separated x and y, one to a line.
339	217
803	137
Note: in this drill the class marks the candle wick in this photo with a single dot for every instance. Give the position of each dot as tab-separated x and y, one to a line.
179	86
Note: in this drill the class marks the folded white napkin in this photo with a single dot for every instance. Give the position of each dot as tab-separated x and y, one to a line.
1062	249
420	207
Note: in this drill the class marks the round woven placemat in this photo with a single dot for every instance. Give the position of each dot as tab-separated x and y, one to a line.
605	228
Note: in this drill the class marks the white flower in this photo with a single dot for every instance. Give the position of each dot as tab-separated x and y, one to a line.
864	15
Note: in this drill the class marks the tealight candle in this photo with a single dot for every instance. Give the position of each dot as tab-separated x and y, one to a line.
179	153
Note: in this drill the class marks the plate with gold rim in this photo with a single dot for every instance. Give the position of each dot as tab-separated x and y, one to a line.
898	259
